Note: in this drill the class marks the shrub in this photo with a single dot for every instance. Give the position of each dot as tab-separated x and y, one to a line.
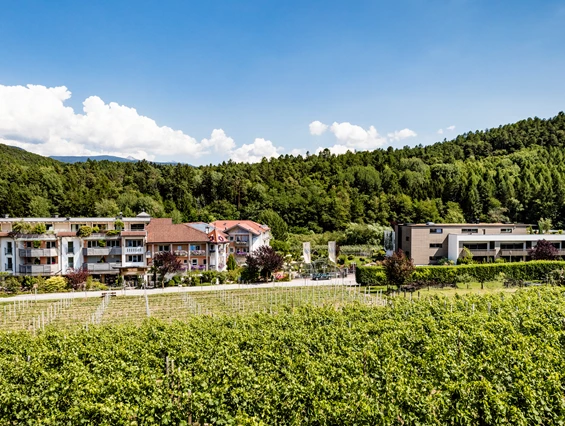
534	270
84	231
119	225
112	232
39	228
101	243
52	285
11	285
36	244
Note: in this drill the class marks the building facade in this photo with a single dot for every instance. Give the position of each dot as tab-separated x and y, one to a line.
244	236
429	243
126	246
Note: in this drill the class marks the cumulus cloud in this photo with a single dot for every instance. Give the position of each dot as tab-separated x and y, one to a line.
336	149
451	128
298	151
256	151
317	128
35	118
355	137
402	134
440	132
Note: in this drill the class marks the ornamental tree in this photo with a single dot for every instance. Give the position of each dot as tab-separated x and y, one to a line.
398	268
166	263
77	278
544	250
265	260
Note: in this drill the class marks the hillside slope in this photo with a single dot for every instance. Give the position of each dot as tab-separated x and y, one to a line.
513	172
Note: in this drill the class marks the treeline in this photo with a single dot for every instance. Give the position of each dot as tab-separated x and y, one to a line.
512	173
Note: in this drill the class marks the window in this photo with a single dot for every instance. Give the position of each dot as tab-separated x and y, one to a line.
134	243
436	245
51	244
436	231
506	231
528	244
164	248
135	258
49	226
71	262
179	248
231	238
407	238
194	262
101	226
75	226
512	246
194	247
231	249
491	245
204	261
71	247
185	261
29	244
113	243
556	245
470	231
51	261
137	226
9	264
476	246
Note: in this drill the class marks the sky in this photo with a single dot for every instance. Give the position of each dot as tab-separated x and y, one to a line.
203	82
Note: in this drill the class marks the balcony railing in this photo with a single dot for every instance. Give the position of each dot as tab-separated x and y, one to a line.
135	250
198	252
50	252
181	253
101	267
241	242
102	251
517	253
38	269
486	253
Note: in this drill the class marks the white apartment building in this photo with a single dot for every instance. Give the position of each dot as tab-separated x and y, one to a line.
106	252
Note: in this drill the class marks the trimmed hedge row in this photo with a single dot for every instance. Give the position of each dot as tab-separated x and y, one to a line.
534	270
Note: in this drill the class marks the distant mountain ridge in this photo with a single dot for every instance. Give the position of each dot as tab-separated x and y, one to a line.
72	159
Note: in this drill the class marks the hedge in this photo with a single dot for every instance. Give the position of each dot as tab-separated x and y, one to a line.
534	270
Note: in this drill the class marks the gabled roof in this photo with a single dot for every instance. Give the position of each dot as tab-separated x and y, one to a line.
249	225
218	237
164	231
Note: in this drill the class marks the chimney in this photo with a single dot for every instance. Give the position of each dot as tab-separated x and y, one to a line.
6	216
56	216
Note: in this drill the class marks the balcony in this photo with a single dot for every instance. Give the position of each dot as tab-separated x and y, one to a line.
241	253
50	252
181	253
198	252
517	253
135	250
102	251
38	269
102	267
480	253
239	241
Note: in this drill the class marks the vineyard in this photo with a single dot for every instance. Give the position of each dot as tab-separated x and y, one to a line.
319	356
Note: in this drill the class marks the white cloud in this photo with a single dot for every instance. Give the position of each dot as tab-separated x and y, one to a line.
298	151
451	128
440	132
317	128
402	134
336	149
35	118
355	137
256	151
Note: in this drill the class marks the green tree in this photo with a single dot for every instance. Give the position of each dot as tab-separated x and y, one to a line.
106	208
231	263
279	228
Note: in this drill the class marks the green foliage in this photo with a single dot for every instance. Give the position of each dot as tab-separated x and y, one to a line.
9	284
52	285
466	257
279	228
36	244
112	232
534	270
361	234
544	225
21	227
231	263
467	361
398	268
119	225
101	243
85	231
39	228
106	208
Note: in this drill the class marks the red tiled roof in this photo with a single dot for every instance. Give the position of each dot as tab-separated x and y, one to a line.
164	231
133	234
218	237
251	226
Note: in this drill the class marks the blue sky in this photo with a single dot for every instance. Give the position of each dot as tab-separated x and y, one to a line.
262	71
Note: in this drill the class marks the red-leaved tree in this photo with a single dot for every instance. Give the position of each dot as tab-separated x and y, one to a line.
77	278
166	263
544	250
264	260
398	268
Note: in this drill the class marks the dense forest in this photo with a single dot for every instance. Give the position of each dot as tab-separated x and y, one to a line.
515	172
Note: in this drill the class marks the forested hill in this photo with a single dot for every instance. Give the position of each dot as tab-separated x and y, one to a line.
514	172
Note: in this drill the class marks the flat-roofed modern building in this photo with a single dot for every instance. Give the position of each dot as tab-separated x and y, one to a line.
428	243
